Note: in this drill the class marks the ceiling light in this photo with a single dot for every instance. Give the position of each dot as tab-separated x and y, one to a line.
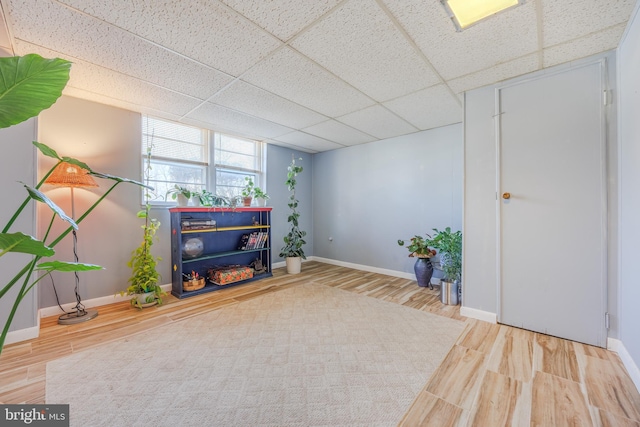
465	13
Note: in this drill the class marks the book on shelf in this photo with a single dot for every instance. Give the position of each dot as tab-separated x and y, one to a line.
255	240
242	246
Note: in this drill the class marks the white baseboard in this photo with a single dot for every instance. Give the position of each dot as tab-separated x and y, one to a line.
616	345
393	273
23	334
94	302
485	316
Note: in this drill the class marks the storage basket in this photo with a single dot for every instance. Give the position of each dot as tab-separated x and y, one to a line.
193	285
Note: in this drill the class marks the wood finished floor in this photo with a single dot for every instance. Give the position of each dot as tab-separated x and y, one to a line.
494	375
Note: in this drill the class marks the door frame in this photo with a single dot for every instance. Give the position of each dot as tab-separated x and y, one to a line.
604	285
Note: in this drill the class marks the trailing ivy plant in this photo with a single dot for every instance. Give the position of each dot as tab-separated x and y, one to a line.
295	238
28	85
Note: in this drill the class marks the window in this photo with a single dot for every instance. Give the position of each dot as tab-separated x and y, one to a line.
236	159
180	155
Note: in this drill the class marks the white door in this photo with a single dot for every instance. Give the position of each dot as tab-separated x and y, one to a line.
552	230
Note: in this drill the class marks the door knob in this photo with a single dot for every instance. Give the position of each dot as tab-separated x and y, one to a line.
506	196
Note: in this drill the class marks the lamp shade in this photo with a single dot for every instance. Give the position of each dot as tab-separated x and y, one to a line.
68	175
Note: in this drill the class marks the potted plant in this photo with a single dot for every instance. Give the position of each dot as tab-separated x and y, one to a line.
248	191
421	248
261	197
449	245
292	251
195	198
143	283
180	194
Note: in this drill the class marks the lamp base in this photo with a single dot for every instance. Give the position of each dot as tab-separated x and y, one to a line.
76	317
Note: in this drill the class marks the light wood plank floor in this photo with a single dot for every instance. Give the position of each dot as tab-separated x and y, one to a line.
494	375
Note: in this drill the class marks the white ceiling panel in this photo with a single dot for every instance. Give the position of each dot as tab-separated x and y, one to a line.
338	132
378	121
294	147
223	118
314	75
481	46
294	77
282	18
501	72
584	46
428	108
301	139
568	20
207	31
361	45
258	102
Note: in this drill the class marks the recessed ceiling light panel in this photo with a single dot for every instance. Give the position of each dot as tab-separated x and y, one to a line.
465	13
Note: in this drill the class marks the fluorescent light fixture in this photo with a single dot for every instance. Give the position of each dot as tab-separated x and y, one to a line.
465	13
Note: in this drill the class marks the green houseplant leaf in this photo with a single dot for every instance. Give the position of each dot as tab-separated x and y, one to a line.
19	242
66	266
28	85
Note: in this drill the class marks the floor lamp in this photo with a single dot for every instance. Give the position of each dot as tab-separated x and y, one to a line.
72	176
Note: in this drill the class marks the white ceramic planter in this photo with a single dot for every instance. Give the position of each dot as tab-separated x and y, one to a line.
182	200
294	264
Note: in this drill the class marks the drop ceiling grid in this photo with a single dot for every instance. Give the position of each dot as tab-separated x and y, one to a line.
361	45
209	32
569	20
282	18
257	102
302	139
340	133
290	75
221	117
377	121
453	54
427	108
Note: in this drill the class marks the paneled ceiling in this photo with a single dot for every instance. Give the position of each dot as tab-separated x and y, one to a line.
314	75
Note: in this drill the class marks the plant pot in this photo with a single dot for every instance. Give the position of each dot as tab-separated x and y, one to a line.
182	200
294	264
146	300
424	271
195	201
449	292
261	202
247	201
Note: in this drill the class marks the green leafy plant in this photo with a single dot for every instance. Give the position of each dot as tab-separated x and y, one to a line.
207	198
28	85
449	245
145	277
249	189
295	238
419	246
178	189
259	194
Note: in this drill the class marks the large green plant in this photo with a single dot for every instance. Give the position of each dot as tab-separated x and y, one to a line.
295	238
450	245
28	85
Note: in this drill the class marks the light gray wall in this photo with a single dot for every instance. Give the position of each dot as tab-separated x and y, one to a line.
479	253
17	164
629	295
108	140
368	196
278	160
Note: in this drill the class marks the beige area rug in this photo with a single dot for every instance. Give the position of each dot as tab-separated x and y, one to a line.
311	355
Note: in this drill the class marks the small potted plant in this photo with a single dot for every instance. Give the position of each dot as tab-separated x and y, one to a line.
449	245
292	251
248	191
180	194
261	197
421	248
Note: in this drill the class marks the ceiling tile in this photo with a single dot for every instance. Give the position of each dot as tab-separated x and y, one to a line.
428	108
378	121
584	46
360	44
338	132
294	77
301	139
567	20
224	119
207	31
294	147
499	39
282	18
501	72
257	102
